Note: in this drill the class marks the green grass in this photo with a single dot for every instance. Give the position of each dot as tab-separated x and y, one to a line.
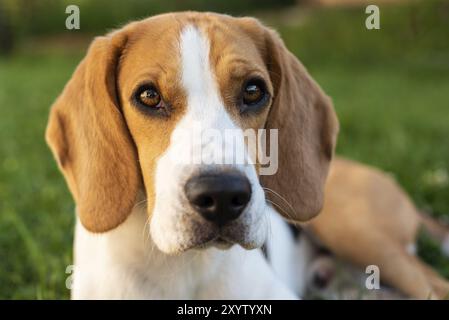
36	211
390	89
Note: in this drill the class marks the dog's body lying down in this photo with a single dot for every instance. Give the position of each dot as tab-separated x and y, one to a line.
367	219
118	133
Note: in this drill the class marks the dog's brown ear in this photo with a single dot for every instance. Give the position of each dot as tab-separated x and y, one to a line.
90	140
307	131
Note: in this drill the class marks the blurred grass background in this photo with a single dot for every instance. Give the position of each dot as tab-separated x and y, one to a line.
390	88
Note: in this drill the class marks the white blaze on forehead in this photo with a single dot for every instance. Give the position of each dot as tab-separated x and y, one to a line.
198	80
196	73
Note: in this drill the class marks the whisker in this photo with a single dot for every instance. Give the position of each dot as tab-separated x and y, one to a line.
280	208
146	231
280	196
292	210
140	203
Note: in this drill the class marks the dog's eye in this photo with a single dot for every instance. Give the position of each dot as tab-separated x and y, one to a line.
150	98
254	94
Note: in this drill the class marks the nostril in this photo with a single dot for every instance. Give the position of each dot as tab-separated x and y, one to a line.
239	200
204	202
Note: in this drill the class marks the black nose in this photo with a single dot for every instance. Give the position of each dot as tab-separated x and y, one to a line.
219	198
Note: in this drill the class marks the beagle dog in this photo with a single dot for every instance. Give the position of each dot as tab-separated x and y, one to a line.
153	225
157	218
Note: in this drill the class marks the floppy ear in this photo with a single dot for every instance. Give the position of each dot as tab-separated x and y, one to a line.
90	140
307	131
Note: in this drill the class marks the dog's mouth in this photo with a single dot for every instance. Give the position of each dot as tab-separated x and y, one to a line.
218	242
223	238
194	233
222	243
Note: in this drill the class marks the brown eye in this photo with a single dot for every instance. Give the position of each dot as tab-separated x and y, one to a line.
254	93
150	98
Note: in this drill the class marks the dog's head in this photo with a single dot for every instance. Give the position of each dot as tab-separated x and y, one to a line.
125	122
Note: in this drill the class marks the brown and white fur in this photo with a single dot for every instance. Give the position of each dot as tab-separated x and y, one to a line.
137	235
